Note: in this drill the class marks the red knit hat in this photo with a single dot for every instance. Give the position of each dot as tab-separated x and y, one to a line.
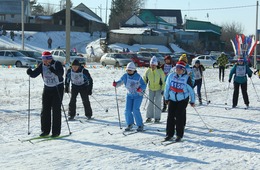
46	55
181	64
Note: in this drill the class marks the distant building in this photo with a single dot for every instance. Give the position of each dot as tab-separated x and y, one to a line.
10	11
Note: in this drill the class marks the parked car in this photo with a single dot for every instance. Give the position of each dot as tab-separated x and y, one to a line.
149	55
13	57
33	54
139	60
115	59
60	55
206	60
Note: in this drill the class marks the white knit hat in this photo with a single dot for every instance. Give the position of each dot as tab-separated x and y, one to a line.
153	61
131	66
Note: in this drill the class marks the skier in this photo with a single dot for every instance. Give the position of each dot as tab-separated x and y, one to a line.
222	61
81	83
166	69
155	78
177	91
52	74
240	70
198	73
135	86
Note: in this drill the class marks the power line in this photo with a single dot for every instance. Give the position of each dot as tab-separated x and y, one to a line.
223	8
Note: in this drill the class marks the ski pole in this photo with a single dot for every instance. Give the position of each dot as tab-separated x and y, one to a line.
255	90
208	101
147	97
63	110
29	106
100	103
210	130
227	94
118	110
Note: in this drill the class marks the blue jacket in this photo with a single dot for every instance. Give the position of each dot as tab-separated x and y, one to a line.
242	78
179	87
132	83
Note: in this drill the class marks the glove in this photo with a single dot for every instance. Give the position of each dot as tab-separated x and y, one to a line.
114	84
162	92
166	102
66	90
52	69
192	104
229	80
90	92
139	90
29	71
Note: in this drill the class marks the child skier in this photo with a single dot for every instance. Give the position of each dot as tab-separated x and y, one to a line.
240	79
198	73
135	86
81	83
166	69
177	91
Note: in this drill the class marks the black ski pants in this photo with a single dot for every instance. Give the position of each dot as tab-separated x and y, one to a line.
198	83
51	109
236	93
176	117
85	99
221	72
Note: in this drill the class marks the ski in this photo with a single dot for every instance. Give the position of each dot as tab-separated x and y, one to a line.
41	138
52	138
33	138
230	108
131	132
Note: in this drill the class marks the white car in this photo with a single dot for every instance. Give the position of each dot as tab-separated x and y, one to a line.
13	57
60	55
206	60
115	59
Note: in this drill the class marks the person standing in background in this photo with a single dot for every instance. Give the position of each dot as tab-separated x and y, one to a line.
222	62
49	41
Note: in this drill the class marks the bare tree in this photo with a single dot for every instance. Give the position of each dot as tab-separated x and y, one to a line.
229	32
49	9
122	10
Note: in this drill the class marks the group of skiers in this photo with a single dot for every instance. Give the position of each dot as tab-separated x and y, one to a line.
173	83
52	73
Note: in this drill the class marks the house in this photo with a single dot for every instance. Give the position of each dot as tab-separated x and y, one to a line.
206	33
10	11
136	31
165	19
84	21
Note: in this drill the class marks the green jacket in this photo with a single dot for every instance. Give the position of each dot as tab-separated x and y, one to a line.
240	79
222	60
154	79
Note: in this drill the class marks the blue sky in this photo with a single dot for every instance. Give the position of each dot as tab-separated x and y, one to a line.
219	12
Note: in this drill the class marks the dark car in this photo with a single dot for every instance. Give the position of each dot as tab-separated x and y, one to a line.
139	60
33	54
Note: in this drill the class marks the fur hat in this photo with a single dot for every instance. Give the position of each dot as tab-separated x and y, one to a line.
131	66
46	55
153	61
183	57
181	65
75	63
168	57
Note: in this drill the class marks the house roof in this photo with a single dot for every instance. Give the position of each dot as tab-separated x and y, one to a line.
136	31
134	21
87	16
201	26
160	15
12	6
83	8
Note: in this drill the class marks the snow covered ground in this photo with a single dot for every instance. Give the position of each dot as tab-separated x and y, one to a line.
215	138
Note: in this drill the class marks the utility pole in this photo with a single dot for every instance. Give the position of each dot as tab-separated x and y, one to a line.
256	34
67	31
22	22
